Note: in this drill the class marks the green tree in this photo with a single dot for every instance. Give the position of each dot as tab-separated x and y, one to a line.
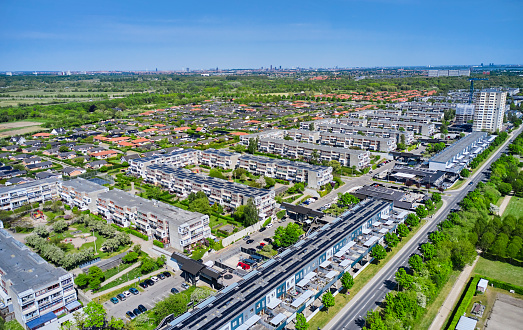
200	205
63	149
269	182
421	211
378	252
462	254
301	322
147	265
60	226
328	300
486	240
130	257
116	323
81	280
94	315
173	304
428	250
416	263
465	173
347	199
95	273
402	230
412	220
347	281
436	197
286	236
250	214
504	188
391	239
403	279
253	146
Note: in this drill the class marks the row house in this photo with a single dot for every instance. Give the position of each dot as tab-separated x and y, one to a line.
296	150
80	193
379	132
356	122
169	224
229	194
219	158
417	128
316	123
273	134
314	175
303	135
434	116
426	106
12	197
32	290
388	112
177	158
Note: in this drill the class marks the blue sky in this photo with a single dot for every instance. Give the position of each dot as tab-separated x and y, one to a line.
171	35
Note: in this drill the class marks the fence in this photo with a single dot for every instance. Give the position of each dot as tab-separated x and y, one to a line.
236	236
89	263
244	250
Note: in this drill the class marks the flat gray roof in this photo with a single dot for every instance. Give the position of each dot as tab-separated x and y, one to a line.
27	185
449	152
24	268
84	185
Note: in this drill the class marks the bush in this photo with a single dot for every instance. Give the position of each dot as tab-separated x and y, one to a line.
465	301
158	243
281	214
131	231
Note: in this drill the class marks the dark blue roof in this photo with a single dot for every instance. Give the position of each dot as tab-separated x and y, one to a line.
39	321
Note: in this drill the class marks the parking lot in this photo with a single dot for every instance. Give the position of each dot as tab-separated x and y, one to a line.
149	297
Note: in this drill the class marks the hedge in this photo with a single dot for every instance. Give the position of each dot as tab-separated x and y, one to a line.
158	243
465	301
131	231
504	285
281	214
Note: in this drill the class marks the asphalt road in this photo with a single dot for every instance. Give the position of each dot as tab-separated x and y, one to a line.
352	317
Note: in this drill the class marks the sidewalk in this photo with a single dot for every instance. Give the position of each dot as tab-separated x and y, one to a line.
455	293
125	271
504	204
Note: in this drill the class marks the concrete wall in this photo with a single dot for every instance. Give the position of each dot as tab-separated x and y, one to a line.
236	236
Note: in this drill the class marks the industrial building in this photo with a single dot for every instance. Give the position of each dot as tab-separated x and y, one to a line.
30	288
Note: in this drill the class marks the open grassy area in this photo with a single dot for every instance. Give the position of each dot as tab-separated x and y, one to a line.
514	207
500	270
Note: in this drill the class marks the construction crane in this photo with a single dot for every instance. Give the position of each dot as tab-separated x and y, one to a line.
471	96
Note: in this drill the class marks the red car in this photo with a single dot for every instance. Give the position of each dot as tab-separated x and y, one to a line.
262	244
244	266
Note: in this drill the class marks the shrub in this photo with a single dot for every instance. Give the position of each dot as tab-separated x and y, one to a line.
158	243
280	214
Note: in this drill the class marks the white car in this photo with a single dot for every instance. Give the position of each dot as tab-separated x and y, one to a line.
127	293
154	278
269	225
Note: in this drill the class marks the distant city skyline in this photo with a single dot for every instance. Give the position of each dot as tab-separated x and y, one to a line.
134	35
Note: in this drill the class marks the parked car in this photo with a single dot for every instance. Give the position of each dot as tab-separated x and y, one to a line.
167	274
243	266
143	285
126	293
142	308
161	276
185	286
268	239
137	312
269	225
255	257
262	243
154	278
130	315
246	237
149	282
114	300
134	291
174	291
249	241
262	229
121	297
259	247
249	262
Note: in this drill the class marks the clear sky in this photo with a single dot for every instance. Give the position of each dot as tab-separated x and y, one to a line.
171	35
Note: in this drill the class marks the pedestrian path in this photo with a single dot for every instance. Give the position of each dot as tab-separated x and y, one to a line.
504	204
125	271
455	293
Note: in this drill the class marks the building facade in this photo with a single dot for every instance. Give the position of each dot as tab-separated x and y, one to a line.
464	113
12	197
29	286
489	110
178	158
80	193
219	158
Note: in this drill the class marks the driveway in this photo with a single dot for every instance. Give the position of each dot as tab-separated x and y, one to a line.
149	297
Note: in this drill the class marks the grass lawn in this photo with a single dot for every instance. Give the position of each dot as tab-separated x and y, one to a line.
135	273
113	271
103	298
514	207
13	325
198	253
500	270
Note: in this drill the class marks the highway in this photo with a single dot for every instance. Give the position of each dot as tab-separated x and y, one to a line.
351	317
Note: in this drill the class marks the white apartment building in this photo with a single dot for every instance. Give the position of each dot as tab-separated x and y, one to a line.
489	110
274	134
417	128
80	193
169	224
315	176
365	142
219	158
464	113
30	287
14	196
229	194
303	135
315	123
179	158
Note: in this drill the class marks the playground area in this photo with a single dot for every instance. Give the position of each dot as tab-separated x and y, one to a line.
79	238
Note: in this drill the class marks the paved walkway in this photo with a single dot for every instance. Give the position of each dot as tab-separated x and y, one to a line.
118	275
448	306
504	204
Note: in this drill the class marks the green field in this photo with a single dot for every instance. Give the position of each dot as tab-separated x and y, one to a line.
500	270
514	207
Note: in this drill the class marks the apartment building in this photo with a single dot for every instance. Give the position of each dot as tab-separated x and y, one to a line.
273	134
315	123
425	106
297	150
229	194
367	131
303	135
80	193
364	142
315	176
169	224
464	113
219	158
31	288
417	128
178	158
489	110
421	120
456	156
356	122
12	197
434	116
